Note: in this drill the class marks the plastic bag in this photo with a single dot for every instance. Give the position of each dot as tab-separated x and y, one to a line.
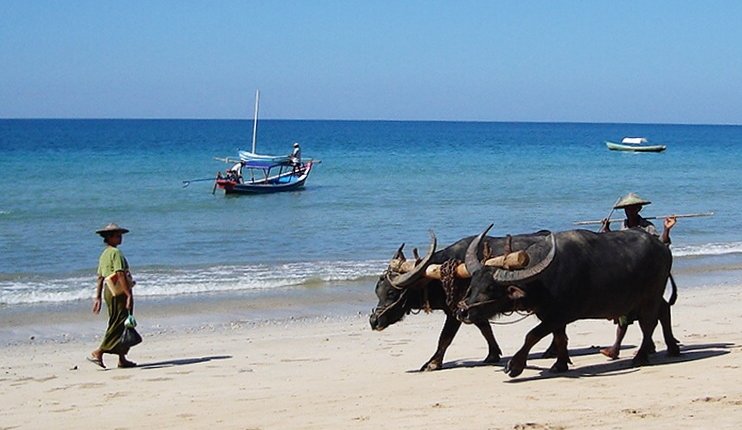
129	338
130	321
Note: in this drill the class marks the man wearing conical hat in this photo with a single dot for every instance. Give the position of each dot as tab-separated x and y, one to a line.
632	204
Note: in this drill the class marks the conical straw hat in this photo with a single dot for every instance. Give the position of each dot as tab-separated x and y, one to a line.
630	199
111	228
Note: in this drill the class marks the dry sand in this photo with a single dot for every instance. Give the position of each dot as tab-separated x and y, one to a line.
336	373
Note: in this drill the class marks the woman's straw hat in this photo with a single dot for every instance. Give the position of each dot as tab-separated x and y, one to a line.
630	199
111	228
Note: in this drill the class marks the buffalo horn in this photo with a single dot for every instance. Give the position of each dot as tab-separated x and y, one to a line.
396	262
513	276
405	279
471	260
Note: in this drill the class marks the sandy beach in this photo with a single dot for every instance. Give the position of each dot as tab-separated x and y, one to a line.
334	372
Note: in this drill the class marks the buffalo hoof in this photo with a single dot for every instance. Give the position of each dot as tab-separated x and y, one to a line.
431	366
560	367
492	359
513	369
640	360
673	350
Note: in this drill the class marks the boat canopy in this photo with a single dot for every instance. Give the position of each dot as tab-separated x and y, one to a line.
248	156
634	140
262	164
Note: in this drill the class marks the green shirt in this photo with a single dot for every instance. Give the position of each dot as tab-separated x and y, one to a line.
111	260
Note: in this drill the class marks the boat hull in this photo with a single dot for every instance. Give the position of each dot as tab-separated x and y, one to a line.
275	184
634	148
264	188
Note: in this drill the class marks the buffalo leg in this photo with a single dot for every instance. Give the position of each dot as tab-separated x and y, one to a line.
551	351
516	364
673	350
450	328
647	325
560	347
494	352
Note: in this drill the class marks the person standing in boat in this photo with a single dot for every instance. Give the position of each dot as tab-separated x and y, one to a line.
632	204
295	157
114	283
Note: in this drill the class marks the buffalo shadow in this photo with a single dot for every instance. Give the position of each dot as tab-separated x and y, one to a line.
623	365
456	364
608	368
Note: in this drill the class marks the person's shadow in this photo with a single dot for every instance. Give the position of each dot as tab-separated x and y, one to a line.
181	362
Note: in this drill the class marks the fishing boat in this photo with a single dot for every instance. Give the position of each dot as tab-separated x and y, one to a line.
255	173
634	144
264	176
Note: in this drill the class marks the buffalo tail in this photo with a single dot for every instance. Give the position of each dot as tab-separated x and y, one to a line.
674	295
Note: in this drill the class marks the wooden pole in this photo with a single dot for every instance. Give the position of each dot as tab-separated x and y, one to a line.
213	190
696	215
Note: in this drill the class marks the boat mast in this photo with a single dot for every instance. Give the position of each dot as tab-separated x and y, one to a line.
255	121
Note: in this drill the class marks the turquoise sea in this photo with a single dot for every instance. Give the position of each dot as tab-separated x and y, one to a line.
379	183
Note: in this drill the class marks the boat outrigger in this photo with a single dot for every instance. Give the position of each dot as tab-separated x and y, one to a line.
634	144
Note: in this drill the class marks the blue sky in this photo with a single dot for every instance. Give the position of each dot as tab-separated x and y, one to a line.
563	61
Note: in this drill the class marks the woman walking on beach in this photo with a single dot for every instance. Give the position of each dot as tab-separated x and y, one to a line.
115	279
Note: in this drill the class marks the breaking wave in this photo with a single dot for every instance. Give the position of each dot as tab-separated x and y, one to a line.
707	249
19	289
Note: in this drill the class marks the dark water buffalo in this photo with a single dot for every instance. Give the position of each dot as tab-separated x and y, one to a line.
577	275
408	286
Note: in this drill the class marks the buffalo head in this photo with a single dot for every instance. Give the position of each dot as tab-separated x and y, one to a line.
392	286
494	290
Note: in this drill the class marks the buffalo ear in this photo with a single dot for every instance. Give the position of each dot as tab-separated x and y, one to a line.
515	293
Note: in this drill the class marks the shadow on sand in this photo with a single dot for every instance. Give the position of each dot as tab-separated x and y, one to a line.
610	367
451	365
182	362
623	366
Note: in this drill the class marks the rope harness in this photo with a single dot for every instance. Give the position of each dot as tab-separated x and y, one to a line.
425	305
523	316
487	254
403	296
448	279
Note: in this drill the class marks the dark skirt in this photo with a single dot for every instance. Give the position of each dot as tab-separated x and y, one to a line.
117	314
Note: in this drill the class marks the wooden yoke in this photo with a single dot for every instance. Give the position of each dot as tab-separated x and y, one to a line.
401	266
513	260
